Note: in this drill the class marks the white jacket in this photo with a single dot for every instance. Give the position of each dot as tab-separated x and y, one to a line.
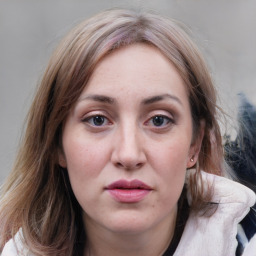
216	236
202	236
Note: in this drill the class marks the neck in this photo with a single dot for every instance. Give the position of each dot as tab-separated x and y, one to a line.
152	242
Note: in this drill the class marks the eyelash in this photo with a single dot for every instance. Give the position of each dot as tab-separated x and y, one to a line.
91	120
162	118
103	121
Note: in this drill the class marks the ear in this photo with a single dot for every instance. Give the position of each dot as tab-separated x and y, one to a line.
62	159
196	146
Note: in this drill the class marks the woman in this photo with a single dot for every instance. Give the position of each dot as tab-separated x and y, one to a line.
122	154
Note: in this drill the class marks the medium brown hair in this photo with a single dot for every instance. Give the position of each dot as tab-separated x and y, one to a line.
37	196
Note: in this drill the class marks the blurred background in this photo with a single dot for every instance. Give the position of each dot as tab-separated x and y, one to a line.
225	31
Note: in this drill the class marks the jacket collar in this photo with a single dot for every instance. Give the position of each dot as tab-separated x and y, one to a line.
216	235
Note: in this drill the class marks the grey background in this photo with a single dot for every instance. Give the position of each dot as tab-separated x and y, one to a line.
225	30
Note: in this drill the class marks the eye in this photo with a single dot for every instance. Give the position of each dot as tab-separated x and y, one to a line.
160	121
96	120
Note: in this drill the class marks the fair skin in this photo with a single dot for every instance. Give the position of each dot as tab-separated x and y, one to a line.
132	123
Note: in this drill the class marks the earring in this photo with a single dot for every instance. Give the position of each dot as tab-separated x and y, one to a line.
191	159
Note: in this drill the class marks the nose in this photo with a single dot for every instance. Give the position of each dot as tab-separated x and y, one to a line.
128	150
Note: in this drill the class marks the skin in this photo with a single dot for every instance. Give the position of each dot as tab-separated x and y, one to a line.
139	128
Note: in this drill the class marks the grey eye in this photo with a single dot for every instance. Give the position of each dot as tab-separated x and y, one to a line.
98	120
160	120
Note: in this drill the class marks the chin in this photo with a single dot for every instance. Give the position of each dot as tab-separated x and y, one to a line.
130	223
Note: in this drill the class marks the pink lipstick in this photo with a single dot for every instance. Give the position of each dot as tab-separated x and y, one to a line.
128	191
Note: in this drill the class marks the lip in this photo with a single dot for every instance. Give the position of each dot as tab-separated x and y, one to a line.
125	191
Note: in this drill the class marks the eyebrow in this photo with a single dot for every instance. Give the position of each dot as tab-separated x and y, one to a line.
147	101
157	98
99	98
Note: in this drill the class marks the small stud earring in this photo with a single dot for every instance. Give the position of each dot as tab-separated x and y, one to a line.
191	159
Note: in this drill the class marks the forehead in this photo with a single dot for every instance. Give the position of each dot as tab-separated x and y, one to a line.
138	67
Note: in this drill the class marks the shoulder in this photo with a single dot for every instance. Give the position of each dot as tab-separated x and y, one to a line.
9	249
15	246
219	231
250	248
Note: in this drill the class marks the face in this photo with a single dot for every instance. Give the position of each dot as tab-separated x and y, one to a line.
127	142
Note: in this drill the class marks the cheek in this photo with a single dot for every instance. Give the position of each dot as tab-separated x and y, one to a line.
170	163
85	162
84	157
173	156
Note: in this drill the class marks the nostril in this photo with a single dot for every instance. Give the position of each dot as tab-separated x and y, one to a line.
139	165
129	166
119	165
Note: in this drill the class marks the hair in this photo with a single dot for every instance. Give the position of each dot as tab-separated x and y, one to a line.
37	196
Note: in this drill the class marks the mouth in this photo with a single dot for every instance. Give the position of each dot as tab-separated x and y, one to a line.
124	191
